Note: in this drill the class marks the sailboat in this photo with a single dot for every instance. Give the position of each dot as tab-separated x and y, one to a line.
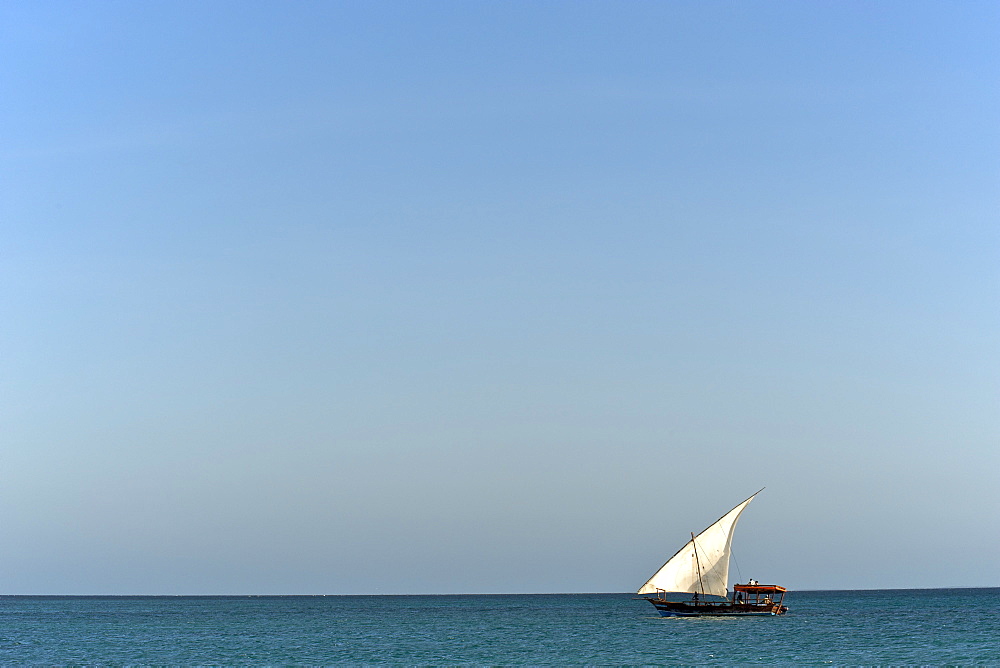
694	582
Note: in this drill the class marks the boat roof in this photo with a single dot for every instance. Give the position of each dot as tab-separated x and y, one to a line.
758	589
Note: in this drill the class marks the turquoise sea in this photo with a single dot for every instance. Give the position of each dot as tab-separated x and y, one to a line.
931	626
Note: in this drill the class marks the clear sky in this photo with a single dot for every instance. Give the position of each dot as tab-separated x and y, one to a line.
434	297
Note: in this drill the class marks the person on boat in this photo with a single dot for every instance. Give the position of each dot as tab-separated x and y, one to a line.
739	597
695	598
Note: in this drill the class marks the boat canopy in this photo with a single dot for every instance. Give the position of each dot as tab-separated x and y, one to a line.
759	589
758	594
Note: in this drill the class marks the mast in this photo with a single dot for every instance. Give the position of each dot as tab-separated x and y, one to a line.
701	583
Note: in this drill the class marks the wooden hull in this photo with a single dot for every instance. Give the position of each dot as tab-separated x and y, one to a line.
712	609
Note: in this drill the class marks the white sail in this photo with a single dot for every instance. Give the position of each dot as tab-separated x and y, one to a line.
702	565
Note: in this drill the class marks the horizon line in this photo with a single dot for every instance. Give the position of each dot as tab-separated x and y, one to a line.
593	593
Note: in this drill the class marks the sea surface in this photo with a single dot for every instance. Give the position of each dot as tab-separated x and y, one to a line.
921	626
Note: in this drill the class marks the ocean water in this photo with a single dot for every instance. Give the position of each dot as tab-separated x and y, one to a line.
935	626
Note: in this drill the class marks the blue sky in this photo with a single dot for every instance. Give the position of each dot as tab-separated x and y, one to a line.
327	297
